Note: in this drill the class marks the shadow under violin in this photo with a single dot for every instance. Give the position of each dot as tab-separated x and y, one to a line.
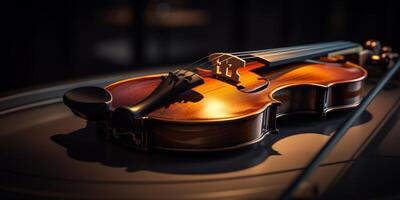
87	144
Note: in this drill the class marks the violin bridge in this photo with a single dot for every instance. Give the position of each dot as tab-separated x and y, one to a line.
226	65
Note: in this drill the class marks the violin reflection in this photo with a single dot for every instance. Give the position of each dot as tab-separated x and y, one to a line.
87	145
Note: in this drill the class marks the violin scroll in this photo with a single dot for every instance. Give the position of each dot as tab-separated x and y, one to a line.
378	55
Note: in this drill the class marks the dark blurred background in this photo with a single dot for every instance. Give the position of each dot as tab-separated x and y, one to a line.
51	41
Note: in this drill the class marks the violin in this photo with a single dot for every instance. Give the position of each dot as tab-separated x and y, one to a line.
226	100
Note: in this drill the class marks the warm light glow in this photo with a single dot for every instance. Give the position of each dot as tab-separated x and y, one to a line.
215	108
134	109
376	57
373	44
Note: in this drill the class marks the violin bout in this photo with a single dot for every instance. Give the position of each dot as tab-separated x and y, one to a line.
234	105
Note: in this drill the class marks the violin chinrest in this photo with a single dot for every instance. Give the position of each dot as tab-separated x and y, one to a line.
91	103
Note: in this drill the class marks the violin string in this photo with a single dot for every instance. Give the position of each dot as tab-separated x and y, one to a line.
286	52
264	51
309	51
273	52
281	48
250	54
305	50
295	49
292	50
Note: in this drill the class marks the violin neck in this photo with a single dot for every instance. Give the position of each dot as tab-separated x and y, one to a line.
300	53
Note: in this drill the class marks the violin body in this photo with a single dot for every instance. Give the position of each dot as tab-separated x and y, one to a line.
222	114
218	116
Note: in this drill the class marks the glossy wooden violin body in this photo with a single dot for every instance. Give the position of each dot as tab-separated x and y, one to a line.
233	105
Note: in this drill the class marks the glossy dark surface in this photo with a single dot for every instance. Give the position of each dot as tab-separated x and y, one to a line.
46	151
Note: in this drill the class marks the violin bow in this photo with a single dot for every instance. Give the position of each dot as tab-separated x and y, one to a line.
335	138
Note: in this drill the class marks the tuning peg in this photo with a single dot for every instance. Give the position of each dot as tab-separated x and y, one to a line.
386	49
373	45
379	55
